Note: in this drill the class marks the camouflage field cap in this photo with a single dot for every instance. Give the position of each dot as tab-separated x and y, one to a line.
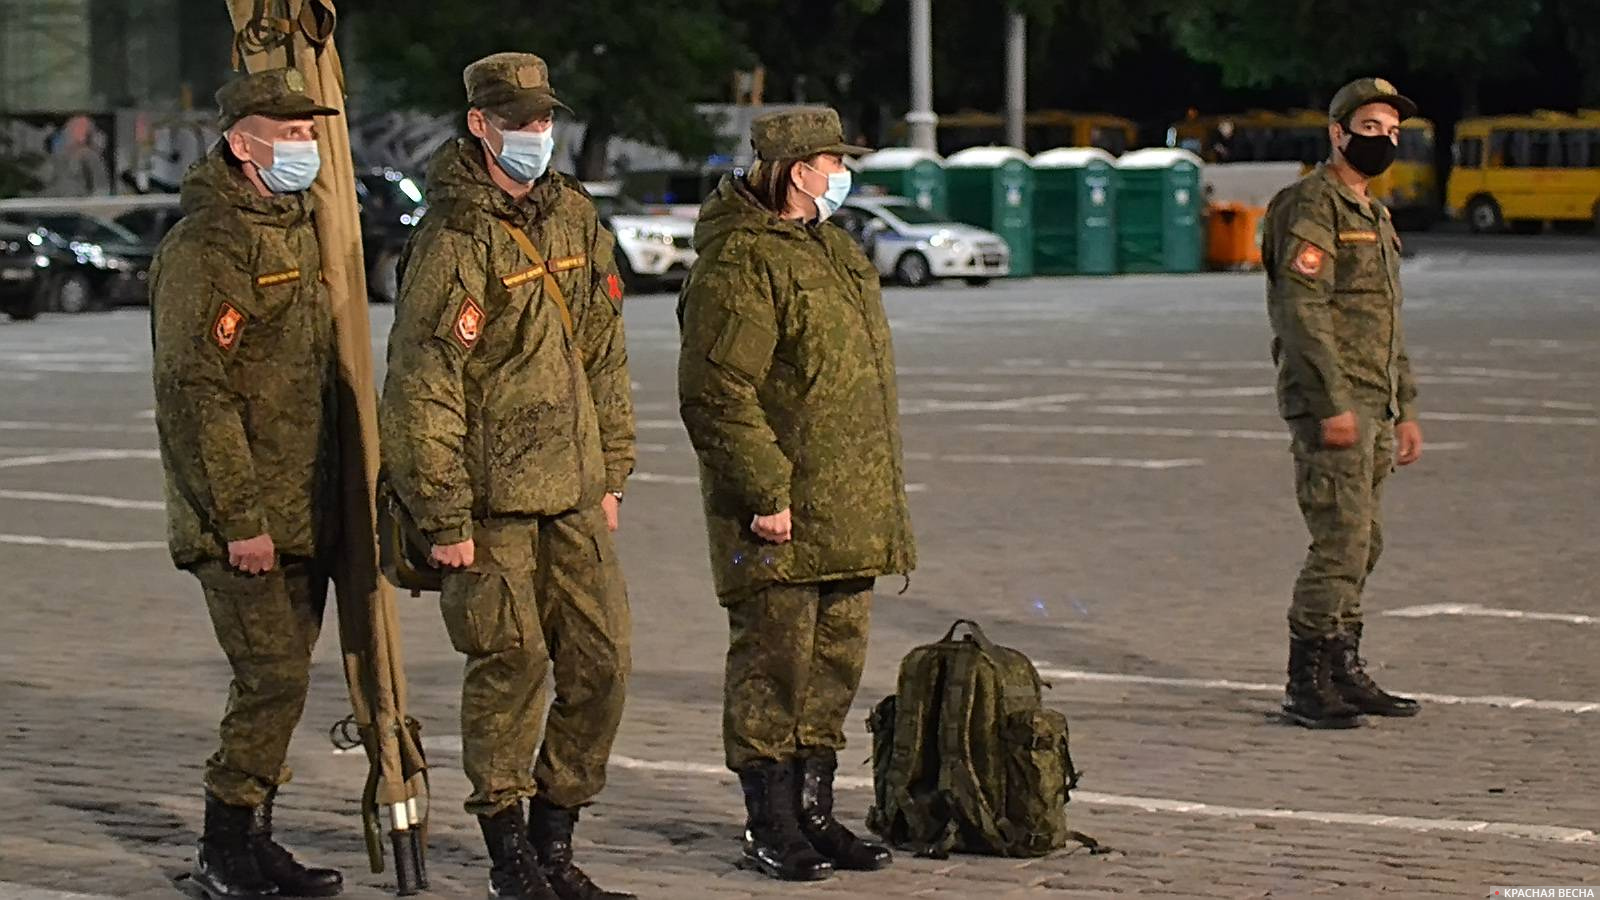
801	133
1362	91
513	86
275	93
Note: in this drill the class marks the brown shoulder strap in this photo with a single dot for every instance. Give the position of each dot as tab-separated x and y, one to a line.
535	257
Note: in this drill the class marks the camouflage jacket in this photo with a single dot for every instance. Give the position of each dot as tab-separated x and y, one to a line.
786	381
1333	295
245	370
489	408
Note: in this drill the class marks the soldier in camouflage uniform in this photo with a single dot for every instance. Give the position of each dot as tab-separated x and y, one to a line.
507	432
1346	390
245	369
787	383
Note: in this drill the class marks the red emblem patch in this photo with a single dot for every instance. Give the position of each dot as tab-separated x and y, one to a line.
1308	261
614	286
228	325
469	323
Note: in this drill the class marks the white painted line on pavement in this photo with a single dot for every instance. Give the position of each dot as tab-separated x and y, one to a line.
1575	707
1123	430
1566	405
694	481
1576	421
1556	833
1096	372
13	891
657	478
77	427
71	456
1103	462
1474	609
82	500
34	540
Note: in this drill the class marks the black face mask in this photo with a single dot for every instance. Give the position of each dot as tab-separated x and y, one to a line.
1370	154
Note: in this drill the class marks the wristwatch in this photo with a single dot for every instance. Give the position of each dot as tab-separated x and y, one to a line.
618	495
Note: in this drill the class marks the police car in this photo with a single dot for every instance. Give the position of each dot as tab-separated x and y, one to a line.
652	250
915	246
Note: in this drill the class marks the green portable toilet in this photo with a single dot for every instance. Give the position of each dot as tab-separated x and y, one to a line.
1074	212
917	175
992	187
1159	201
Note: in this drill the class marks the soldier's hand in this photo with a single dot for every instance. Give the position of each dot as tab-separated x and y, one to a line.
613	508
1340	432
453	556
777	529
254	556
1408	435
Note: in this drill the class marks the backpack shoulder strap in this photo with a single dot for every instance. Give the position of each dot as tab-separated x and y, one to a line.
958	782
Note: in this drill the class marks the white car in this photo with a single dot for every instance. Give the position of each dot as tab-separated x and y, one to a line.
916	246
652	250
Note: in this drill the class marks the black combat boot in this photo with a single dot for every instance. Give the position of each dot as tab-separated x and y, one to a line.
514	872
773	841
829	837
225	868
1358	689
550	832
280	867
1310	698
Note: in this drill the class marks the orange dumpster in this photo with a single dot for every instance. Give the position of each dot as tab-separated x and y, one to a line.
1233	236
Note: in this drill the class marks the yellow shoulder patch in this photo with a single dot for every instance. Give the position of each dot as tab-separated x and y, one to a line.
568	262
277	278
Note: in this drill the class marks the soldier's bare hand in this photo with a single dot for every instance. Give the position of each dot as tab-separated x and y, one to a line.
613	508
1340	432
453	556
255	556
777	529
1408	435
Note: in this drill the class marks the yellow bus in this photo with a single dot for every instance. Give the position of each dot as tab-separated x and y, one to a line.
1410	188
1042	129
1527	170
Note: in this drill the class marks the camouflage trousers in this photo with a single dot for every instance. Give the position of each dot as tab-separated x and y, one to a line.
1339	493
795	656
542	617
267	626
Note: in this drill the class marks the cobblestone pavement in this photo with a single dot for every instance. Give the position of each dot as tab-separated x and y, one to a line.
1098	476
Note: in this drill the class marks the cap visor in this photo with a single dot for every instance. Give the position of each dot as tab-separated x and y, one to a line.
524	110
298	108
846	149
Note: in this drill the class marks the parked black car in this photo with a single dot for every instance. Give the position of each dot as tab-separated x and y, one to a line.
103	264
24	271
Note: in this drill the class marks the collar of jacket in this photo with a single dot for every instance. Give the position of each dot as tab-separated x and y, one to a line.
460	174
216	181
1370	207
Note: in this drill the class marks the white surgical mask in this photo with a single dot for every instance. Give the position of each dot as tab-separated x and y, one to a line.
833	197
294	168
525	155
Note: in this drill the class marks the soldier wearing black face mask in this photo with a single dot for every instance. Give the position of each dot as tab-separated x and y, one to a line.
1345	389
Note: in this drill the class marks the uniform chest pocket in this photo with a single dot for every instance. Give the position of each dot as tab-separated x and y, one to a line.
1360	267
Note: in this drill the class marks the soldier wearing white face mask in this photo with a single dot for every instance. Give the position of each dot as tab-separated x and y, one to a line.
507	431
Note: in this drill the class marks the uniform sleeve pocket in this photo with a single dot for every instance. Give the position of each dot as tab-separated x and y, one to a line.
744	346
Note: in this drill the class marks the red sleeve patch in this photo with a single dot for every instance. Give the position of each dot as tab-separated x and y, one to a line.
469	323
1308	259
614	287
228	327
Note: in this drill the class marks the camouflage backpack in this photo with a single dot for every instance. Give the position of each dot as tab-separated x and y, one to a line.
966	758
